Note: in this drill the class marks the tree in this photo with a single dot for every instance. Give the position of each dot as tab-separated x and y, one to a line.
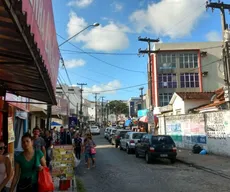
118	107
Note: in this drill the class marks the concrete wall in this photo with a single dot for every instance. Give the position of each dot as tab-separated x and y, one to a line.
210	130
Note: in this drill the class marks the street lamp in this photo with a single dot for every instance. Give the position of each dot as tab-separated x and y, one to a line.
93	25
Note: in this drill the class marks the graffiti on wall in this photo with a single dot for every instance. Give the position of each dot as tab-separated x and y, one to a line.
189	129
217	125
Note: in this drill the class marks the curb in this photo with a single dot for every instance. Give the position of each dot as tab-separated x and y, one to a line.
204	168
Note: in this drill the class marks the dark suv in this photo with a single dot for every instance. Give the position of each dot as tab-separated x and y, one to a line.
152	147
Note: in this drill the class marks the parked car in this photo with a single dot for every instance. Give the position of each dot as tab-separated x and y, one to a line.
152	147
129	141
95	130
112	131
106	132
117	136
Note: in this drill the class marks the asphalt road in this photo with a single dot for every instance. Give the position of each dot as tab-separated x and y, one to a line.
117	171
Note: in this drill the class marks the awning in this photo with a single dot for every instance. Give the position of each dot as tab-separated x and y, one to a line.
144	119
24	64
55	124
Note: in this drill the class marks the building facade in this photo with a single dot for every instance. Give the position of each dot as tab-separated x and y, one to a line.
185	67
134	104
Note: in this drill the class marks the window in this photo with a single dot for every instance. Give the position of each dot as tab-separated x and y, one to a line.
188	60
167	81
164	98
188	80
167	61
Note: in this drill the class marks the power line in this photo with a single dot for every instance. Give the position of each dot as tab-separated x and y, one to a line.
98	53
105	62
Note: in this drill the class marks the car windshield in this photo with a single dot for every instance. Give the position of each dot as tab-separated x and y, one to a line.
122	133
162	140
137	135
93	127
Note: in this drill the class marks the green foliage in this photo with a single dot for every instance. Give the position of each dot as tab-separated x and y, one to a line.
80	186
118	107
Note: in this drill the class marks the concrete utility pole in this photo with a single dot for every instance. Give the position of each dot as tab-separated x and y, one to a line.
141	89
102	108
81	91
148	51
226	56
96	106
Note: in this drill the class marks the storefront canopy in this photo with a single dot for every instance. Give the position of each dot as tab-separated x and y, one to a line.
29	55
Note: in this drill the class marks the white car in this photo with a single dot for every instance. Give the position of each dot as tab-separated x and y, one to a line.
95	130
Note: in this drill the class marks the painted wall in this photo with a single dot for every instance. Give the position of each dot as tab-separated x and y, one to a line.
210	130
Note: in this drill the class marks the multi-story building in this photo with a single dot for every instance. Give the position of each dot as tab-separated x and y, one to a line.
134	104
185	67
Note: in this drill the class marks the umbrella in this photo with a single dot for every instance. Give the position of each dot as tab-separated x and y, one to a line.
55	124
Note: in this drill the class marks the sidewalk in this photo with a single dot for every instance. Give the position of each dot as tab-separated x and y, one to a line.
211	163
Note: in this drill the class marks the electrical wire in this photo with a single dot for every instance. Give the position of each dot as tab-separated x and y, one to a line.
102	61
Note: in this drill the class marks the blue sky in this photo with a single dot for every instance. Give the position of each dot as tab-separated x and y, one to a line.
121	23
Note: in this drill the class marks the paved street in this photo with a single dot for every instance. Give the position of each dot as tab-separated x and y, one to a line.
117	171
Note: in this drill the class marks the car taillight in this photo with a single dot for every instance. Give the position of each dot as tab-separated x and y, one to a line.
151	149
131	141
174	149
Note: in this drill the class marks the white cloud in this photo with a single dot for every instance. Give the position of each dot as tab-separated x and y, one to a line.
115	84
74	63
117	6
173	18
80	3
213	36
102	38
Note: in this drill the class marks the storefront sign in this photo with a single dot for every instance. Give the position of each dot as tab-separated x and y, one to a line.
73	122
41	20
23	106
11	135
142	113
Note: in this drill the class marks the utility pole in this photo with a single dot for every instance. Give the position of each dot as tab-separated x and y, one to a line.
149	51
225	30
141	89
81	91
96	106
102	109
77	110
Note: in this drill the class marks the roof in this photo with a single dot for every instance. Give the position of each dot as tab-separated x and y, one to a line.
195	95
212	105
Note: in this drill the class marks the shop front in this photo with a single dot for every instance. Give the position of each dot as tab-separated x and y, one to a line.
29	56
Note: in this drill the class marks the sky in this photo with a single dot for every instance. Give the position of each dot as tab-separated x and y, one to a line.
105	57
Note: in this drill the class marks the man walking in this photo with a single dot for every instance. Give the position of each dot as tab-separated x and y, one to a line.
39	142
77	145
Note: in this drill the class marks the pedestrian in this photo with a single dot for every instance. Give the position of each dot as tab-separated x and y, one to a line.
78	146
48	140
38	142
27	165
5	168
88	145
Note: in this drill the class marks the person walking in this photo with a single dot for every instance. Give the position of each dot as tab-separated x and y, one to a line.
48	140
38	142
88	146
78	145
27	165
5	168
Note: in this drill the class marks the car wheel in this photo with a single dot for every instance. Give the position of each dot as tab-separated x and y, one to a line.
136	153
127	149
173	160
147	158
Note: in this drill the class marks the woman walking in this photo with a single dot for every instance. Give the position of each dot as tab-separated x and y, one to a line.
27	165
5	168
89	148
